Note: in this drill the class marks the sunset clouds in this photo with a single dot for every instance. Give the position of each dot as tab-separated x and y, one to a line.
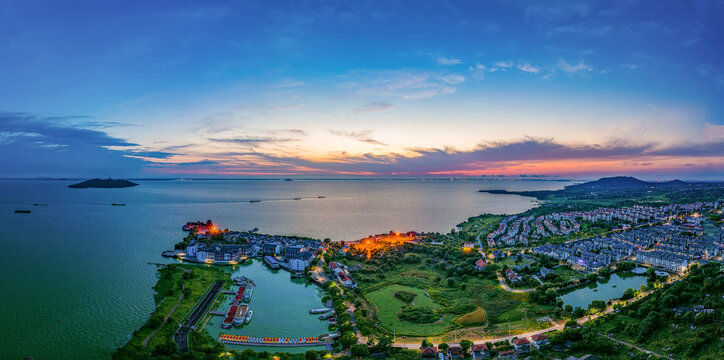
573	88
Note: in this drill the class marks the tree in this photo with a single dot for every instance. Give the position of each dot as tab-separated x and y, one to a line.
466	344
347	340
384	343
310	355
628	294
651	273
358	351
426	343
443	346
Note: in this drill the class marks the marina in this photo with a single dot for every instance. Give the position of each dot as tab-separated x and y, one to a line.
280	305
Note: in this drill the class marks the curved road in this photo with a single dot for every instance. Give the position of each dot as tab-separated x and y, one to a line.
181	336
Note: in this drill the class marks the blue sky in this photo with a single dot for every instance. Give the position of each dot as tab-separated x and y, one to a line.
259	88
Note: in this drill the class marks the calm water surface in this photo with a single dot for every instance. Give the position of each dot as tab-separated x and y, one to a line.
76	276
612	288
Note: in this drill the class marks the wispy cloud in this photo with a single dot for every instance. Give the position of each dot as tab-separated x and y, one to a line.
572	69
504	64
253	140
478	71
447	61
373	107
404	84
497	156
38	146
629	67
529	68
363	136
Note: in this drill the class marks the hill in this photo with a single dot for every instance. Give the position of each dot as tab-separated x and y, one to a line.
624	182
103	184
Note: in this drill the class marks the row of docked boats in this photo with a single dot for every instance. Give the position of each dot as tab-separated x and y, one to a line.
244	339
239	313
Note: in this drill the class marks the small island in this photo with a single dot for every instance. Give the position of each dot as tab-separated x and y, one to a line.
103	184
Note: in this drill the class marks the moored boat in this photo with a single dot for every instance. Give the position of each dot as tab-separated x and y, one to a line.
247	294
241	315
248	316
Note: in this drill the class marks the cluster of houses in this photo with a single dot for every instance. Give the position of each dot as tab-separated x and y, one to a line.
291	253
515	229
672	246
588	254
342	274
520	347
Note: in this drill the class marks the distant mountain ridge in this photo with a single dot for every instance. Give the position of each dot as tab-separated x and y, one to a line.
624	182
103	184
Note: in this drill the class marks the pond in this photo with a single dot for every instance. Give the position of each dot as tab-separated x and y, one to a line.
606	290
281	307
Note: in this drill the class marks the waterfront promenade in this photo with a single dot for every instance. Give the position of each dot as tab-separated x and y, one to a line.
197	313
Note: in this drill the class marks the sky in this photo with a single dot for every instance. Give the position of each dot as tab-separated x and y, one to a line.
574	89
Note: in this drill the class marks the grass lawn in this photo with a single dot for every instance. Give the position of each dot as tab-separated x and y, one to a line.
387	306
567	273
460	302
476	317
475	225
510	262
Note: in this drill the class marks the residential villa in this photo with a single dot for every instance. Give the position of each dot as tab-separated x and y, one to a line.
521	345
480	351
539	340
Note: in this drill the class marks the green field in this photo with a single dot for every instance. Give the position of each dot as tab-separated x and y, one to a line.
168	292
387	306
566	273
510	261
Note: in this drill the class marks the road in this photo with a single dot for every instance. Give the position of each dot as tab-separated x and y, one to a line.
181	336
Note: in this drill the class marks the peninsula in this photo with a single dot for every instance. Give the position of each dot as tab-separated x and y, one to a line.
582	273
103	184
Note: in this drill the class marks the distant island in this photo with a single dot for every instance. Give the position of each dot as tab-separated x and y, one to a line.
103	184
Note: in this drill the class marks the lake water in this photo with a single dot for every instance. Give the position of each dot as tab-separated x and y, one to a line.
612	288
76	276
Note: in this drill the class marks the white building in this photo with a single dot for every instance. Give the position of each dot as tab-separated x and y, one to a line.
301	261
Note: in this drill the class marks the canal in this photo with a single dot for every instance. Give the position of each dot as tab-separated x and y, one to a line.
281	307
605	290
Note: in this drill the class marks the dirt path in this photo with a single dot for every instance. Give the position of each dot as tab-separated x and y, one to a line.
148	338
635	347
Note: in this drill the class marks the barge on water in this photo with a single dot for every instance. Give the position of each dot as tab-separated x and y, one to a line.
320	311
